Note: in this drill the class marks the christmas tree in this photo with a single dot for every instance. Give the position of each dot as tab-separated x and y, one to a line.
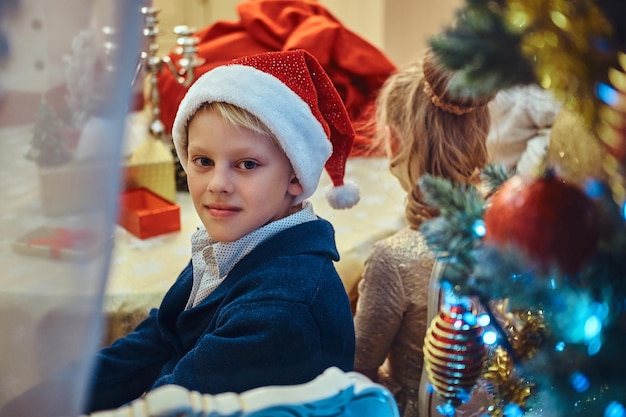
48	144
545	259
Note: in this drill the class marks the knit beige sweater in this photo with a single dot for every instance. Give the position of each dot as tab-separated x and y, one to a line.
398	298
391	314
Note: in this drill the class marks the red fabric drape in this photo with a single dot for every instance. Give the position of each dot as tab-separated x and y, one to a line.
356	67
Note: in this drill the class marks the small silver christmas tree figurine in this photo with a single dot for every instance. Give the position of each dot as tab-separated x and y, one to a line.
48	144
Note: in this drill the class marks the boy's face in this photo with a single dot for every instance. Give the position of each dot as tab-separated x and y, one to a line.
239	180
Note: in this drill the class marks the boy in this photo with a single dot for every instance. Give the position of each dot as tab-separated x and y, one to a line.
260	303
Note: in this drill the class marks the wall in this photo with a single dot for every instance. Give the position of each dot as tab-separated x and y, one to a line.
410	23
400	28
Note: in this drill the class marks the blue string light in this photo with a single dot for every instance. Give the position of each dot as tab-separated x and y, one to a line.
607	94
593	326
579	381
490	337
594	189
464	396
484	320
512	410
469	318
615	409
479	228
594	346
446	409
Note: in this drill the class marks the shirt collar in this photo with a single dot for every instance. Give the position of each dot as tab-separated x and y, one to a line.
227	254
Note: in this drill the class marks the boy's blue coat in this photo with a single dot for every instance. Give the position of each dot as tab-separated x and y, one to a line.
281	317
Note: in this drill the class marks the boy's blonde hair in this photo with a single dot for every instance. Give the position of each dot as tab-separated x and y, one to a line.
237	117
428	129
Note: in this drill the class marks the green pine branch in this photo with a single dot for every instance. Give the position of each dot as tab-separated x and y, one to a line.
494	175
455	233
484	49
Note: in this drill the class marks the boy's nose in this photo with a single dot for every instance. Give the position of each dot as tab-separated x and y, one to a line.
220	181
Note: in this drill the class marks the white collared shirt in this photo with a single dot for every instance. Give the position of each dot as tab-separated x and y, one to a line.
212	261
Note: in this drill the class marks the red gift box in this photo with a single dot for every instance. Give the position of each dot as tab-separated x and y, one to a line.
58	243
146	214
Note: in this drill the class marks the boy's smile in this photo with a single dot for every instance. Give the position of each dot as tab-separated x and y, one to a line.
222	211
239	180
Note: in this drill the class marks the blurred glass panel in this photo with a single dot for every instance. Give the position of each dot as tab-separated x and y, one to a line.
66	68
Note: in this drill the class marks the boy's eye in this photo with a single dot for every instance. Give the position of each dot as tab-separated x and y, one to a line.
203	161
248	164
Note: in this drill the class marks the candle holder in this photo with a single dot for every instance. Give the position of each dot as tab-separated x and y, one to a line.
183	69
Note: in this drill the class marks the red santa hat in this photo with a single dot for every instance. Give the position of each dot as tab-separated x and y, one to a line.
293	96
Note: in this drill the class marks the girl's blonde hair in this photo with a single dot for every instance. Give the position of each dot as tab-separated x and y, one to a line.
429	129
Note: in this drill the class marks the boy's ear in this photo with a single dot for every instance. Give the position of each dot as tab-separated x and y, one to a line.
295	188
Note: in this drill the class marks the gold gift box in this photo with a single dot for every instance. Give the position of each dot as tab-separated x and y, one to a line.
157	176
152	166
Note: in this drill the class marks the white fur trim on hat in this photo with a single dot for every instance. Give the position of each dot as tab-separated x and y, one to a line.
285	114
344	196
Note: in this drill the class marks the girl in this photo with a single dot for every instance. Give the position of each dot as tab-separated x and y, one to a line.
427	130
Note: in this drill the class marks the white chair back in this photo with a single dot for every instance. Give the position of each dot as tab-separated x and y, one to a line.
332	394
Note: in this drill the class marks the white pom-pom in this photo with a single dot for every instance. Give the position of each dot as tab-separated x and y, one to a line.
344	196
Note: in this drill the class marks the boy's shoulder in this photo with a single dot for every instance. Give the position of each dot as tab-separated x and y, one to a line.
316	236
304	250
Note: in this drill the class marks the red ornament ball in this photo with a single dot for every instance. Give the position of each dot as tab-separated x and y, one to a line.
454	354
552	221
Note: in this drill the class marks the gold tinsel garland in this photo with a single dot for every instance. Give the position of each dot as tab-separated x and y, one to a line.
571	46
575	151
508	387
526	332
611	129
564	40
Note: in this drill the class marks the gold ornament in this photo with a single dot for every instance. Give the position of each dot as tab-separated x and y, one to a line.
575	151
454	354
